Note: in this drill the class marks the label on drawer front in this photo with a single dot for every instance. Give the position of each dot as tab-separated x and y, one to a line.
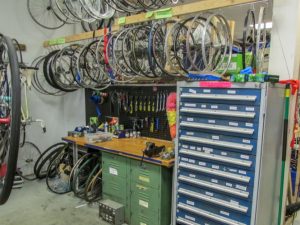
249	124
113	171
225	213
215	137
190	119
142	223
233	124
233	170
190	218
231	92
215	167
202	163
192	161
232	108
203	106
189	105
209	194
228	184
190	203
242	172
184	159
246	141
192	91
144	179
206	91
144	204
185	146
243	188
208	150
251	109
214	107
245	157
224	153
214	181
211	121
192	147
199	148
190	133
234	202
192	175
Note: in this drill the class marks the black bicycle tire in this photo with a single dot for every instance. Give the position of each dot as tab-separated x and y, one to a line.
90	178
15	121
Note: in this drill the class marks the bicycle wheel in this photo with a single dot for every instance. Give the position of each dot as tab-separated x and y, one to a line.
28	155
42	14
10	115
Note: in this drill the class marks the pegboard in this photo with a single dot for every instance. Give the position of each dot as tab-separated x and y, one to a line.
144	95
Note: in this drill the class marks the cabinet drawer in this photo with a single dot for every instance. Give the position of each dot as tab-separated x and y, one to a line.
115	186
148	174
220	126
114	165
238	96
145	219
145	198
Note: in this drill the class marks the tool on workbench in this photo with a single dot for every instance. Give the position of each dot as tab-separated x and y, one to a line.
152	150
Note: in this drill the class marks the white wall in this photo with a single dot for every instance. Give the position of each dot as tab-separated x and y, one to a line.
60	113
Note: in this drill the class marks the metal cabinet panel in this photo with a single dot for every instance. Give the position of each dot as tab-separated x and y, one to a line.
219	153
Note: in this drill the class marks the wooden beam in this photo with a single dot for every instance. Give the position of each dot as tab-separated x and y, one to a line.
177	11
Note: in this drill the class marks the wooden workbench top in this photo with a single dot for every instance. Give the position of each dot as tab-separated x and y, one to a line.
129	147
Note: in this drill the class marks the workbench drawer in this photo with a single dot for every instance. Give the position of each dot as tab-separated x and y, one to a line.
145	199
115	165
145	219
238	96
146	174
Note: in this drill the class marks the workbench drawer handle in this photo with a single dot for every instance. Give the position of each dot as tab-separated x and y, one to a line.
250	98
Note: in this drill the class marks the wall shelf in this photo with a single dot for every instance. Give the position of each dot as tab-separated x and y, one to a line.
176	11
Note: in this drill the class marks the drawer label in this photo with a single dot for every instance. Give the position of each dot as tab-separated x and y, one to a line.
245	157
233	170
214	107
192	147
192	175
192	91
215	167
203	106
231	92
233	124
209	194
249	124
214	181
211	121
144	204
215	84
225	213
144	179
208	149
184	159
202	163
190	133
189	105
190	119
190	203
185	146
206	90
113	171
251	109
215	137
228	184
234	202
246	141
224	153
199	148
243	188
233	108
190	218
192	161
242	172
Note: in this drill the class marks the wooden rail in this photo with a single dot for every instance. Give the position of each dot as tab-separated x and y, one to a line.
175	11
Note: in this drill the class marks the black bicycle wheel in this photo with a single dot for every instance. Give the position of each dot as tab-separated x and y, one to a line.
93	189
42	14
10	115
28	155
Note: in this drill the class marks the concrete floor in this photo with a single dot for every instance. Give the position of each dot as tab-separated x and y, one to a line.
35	205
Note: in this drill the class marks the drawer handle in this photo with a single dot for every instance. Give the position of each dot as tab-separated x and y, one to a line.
208	215
220	173
250	115
216	201
238	162
217	143
218	127
250	98
214	186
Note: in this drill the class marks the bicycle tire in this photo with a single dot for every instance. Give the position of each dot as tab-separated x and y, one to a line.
14	141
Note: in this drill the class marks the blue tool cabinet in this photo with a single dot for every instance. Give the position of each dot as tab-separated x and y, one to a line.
228	154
